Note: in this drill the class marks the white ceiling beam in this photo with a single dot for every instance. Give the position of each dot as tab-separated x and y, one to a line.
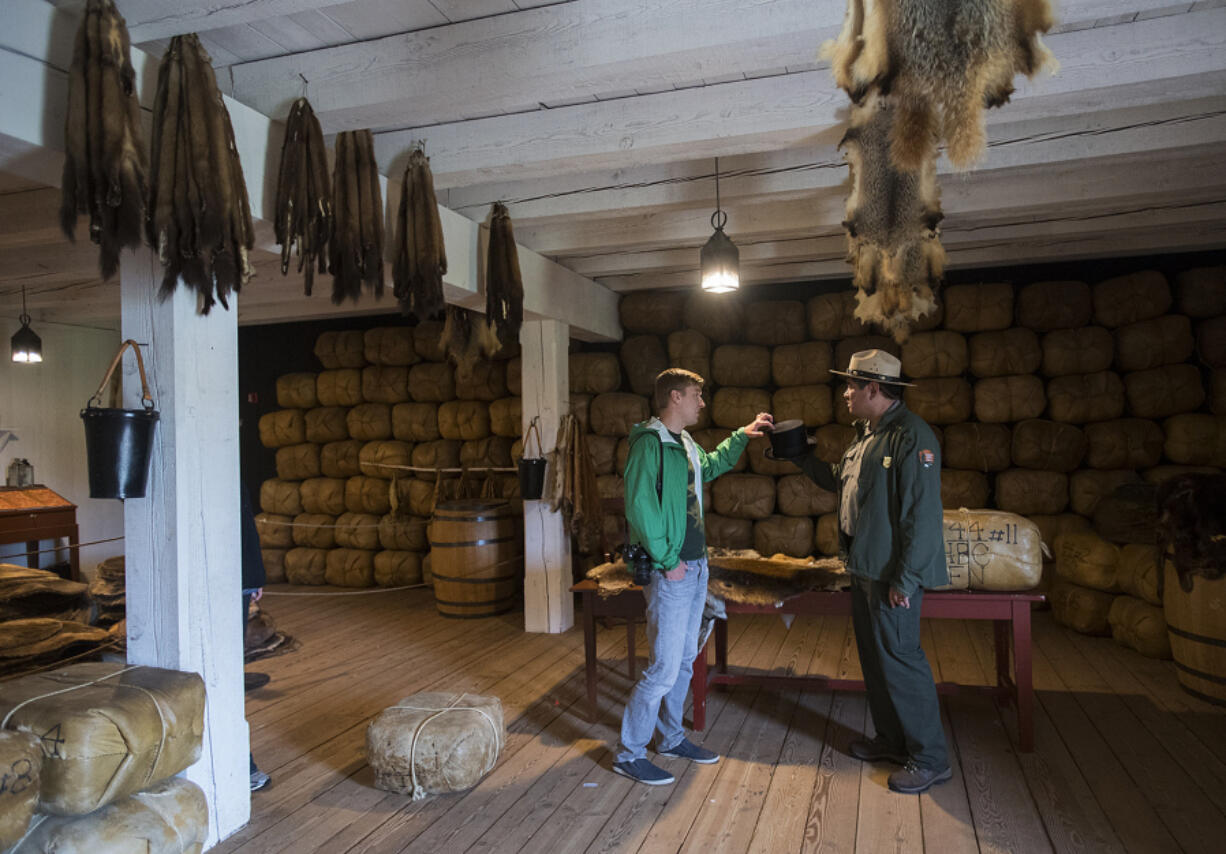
1197	228
564	54
32	107
158	19
1068	185
1175	57
796	173
558	54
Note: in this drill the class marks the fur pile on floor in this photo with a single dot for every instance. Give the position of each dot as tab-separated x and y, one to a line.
744	576
104	148
919	74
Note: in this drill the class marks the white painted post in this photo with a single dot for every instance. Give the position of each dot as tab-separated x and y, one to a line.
182	544
548	602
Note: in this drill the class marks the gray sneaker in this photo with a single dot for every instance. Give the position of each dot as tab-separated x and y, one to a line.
642	771
686	749
259	780
912	779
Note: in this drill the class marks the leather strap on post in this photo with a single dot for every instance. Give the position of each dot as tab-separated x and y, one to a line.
145	397
533	428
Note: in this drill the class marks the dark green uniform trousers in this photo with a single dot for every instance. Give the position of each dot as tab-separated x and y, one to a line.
902	697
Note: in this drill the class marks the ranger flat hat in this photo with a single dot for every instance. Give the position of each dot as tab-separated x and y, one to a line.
876	366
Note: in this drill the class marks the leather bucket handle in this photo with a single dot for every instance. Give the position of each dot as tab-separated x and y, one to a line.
146	398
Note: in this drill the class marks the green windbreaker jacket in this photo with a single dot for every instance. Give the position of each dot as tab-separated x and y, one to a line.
657	520
899	536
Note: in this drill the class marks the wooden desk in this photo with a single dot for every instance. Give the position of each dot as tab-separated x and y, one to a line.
1010	613
32	513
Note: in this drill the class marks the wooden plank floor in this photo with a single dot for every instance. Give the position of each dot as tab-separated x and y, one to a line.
1125	760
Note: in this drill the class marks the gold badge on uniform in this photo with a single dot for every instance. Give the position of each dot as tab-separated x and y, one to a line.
885	463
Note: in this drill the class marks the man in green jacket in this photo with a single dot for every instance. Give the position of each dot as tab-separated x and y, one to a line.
665	470
891	538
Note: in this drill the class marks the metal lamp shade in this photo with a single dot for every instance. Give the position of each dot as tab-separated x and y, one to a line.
27	347
721	264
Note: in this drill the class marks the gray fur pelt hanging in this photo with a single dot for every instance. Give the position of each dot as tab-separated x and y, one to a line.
892	222
104	148
466	338
199	218
504	285
304	195
357	218
420	257
943	62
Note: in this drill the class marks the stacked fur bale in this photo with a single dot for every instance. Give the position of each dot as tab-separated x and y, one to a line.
340	511
1047	397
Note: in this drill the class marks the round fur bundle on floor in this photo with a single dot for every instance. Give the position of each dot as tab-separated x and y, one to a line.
964	489
326	424
324	496
789	535
298	462
977	447
435	742
344	349
303	212
1077	351
1044	306
280	497
1004	353
370	421
275	531
1130	298
314	530
397	568
729	533
199	218
104	148
1134	443
297	391
1048	445
390	345
282	428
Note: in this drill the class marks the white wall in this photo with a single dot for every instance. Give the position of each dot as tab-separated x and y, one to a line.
41	403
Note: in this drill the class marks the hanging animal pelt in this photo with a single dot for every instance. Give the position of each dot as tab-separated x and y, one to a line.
504	286
357	218
304	195
942	61
892	222
421	259
198	215
104	159
466	338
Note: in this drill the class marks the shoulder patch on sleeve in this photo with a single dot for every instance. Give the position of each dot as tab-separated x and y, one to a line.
927	458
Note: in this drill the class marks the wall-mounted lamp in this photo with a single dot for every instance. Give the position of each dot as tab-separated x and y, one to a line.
27	347
721	261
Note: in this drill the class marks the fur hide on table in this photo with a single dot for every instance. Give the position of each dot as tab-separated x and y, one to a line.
744	577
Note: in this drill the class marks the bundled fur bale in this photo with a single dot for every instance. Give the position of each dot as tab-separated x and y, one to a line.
356	242
421	258
104	149
304	195
504	287
942	62
892	219
199	218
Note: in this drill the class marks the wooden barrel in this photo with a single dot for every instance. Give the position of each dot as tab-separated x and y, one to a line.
477	558
1196	622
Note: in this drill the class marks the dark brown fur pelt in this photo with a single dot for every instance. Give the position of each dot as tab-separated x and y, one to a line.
104	147
199	218
943	61
504	286
892	223
304	195
467	337
357	218
420	257
1192	526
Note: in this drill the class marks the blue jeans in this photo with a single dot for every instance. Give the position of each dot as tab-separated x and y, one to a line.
674	612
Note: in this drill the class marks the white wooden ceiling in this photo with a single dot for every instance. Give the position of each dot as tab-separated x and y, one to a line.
598	121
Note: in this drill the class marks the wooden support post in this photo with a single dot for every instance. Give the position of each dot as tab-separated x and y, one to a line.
182	540
548	604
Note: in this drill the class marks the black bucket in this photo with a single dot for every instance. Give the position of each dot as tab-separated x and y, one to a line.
118	448
531	478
